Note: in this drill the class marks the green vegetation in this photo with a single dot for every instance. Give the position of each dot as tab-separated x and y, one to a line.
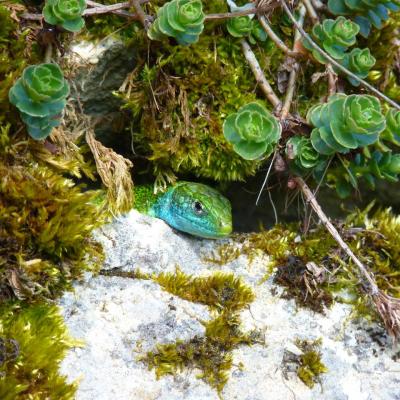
40	96
335	36
225	295
253	131
300	150
180	19
366	13
346	122
66	13
310	366
392	131
310	266
36	342
181	130
359	62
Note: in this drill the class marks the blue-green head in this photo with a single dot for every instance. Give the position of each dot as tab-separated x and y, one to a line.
196	209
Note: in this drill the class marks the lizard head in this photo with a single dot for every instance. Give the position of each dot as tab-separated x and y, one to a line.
196	209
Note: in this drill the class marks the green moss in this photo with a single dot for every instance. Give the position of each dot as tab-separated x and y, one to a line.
225	295
310	365
17	50
377	242
220	291
45	224
312	267
180	102
37	342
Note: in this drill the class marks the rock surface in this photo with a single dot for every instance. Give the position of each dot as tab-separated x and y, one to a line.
120	319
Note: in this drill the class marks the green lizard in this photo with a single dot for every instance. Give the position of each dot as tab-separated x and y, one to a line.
189	207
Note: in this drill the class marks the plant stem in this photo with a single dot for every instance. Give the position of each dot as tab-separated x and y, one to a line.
311	11
295	68
241	13
142	16
334	62
259	75
95	9
335	234
49	53
275	38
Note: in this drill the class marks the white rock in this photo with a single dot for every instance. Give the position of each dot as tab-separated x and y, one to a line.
89	52
119	320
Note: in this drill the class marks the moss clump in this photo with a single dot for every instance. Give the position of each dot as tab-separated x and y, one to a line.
181	101
376	239
37	343
17	50
225	295
45	224
219	291
310	365
311	267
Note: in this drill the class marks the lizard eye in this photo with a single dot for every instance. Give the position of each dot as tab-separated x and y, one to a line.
197	207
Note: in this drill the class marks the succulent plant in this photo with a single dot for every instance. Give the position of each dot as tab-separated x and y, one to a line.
40	97
345	122
380	166
181	19
359	62
253	131
366	12
392	131
257	32
335	36
65	13
239	26
300	149
245	26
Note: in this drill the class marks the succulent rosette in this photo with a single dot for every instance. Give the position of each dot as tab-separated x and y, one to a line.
335	36
253	131
303	153
180	19
40	96
345	123
359	62
392	131
240	26
366	12
245	26
65	13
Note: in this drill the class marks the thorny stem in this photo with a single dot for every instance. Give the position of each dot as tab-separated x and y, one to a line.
334	62
259	75
295	68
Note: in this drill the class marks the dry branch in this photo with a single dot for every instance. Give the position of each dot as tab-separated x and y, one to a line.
388	307
259	75
295	68
275	38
